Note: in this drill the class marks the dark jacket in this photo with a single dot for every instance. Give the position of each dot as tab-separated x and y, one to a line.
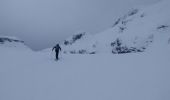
57	48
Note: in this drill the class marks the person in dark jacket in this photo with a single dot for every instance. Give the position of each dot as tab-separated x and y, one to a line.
57	49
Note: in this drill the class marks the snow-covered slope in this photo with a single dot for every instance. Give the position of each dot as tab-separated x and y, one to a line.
134	32
12	43
28	75
79	43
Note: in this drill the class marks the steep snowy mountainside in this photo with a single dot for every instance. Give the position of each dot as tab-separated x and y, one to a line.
12	42
76	37
79	43
134	32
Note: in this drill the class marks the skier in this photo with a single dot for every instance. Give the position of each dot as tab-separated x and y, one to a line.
57	49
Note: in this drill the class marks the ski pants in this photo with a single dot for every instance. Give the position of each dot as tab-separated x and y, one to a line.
57	53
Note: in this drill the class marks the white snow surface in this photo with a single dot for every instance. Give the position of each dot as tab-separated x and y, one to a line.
134	29
29	75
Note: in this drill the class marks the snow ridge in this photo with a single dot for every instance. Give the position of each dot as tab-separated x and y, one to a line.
134	32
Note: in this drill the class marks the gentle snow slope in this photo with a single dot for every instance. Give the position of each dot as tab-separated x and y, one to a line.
27	75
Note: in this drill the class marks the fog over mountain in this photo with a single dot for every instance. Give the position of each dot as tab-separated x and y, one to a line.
42	23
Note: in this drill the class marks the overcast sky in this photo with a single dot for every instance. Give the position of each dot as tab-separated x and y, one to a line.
42	23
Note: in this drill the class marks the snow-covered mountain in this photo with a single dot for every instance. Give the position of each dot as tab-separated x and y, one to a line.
136	31
29	75
79	43
12	43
